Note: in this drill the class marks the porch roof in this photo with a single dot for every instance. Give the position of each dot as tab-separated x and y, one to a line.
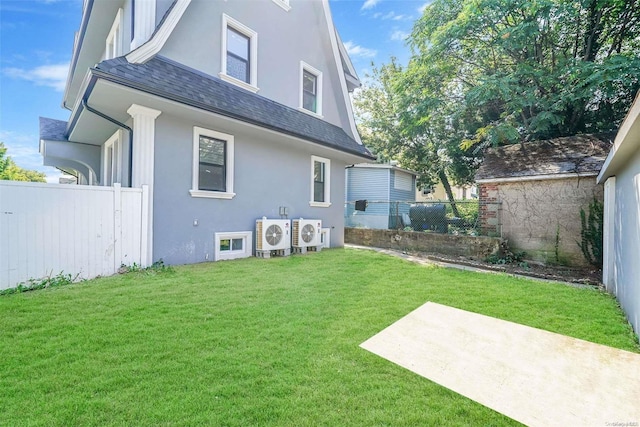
52	129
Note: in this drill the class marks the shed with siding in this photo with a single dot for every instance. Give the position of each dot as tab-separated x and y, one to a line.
380	185
540	187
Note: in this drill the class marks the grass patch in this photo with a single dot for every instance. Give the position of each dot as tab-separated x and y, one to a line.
259	342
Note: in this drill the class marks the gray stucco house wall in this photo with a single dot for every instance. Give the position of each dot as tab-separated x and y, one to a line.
380	185
163	106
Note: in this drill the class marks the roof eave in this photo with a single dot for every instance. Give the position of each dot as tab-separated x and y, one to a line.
626	143
545	177
99	74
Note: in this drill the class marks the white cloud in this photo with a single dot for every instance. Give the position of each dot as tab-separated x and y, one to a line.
359	51
399	35
54	76
391	16
368	4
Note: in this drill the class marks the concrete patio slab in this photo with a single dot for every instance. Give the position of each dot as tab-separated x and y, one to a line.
536	377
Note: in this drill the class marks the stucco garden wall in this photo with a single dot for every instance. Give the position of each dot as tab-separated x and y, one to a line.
537	216
442	244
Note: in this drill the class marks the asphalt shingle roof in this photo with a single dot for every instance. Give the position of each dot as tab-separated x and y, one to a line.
53	130
170	80
579	154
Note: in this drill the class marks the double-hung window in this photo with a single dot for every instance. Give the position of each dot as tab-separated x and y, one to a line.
212	164
310	89
320	182
239	54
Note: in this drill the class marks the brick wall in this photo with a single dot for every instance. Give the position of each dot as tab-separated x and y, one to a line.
489	210
443	244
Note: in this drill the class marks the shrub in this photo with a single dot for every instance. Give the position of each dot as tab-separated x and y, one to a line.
591	233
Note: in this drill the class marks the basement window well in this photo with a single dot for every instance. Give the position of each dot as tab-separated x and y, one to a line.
233	245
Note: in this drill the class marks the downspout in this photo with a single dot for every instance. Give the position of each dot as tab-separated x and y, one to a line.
122	125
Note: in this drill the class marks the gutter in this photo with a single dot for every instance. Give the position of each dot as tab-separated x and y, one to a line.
117	123
546	177
77	47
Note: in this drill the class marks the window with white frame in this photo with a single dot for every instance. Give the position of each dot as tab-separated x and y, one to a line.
114	42
310	89
320	182
233	245
212	164
112	160
239	54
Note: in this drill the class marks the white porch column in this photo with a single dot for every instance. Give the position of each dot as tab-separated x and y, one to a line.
608	236
144	22
144	130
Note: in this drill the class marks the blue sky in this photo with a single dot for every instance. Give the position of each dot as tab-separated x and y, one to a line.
36	39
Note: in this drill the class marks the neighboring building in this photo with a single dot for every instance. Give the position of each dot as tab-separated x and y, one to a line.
437	192
621	177
380	185
227	113
541	187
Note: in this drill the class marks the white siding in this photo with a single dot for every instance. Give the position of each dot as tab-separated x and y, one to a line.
47	229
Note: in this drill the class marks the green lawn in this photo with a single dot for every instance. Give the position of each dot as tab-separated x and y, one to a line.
259	342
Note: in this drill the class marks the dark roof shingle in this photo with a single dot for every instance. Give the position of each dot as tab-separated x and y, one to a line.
52	129
170	80
579	154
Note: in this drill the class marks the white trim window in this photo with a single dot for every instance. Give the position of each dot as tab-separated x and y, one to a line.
310	89
320	182
112	160
283	4
239	56
233	245
213	155
115	41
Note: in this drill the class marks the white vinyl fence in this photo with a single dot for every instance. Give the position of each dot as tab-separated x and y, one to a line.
48	229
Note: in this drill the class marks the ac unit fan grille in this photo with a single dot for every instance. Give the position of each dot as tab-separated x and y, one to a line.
308	233
273	235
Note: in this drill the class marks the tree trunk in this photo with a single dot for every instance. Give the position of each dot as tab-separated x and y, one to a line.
447	189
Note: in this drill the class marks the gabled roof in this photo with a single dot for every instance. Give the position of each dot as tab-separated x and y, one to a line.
52	129
165	78
580	155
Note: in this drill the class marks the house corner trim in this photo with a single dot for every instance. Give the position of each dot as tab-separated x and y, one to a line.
142	52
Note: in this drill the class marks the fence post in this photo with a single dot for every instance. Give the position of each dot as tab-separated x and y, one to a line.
117	226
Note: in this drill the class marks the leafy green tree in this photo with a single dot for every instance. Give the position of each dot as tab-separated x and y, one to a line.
12	172
528	70
492	72
429	144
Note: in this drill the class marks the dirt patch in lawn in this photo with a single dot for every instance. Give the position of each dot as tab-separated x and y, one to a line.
585	276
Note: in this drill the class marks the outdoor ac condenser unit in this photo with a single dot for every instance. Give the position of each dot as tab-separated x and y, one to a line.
306	232
273	235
